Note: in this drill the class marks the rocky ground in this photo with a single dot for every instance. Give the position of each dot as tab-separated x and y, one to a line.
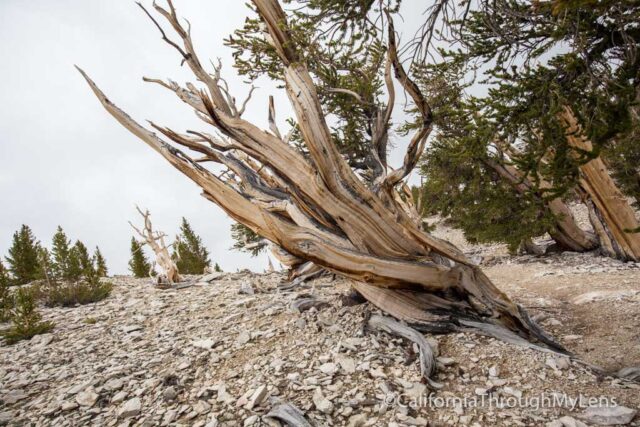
226	352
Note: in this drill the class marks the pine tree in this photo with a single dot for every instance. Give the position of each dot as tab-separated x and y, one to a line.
138	264
217	268
246	240
74	268
6	298
84	260
45	266
190	254
100	263
23	257
26	321
4	277
63	263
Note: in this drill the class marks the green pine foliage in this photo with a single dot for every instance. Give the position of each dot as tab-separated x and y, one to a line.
22	259
350	57
70	294
189	252
246	240
541	60
6	297
217	268
100	263
64	263
139	265
45	267
26	320
85	262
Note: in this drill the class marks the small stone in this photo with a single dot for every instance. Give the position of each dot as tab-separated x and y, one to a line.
257	397
169	393
563	363
357	420
14	396
114	384
68	406
40	341
119	397
377	373
608	415
251	420
446	361
243	338
572	337
566	422
347	364
480	391
206	344
131	408
201	407
293	376
328	368
87	398
512	391
494	371
246	289
323	404
465	420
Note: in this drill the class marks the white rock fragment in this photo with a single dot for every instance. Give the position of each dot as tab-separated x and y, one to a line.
328	368
206	344
322	404
494	371
566	422
257	397
87	398
131	408
347	364
246	288
243	338
608	415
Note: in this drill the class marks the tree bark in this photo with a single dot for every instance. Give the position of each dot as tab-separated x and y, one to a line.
156	242
613	210
567	233
317	209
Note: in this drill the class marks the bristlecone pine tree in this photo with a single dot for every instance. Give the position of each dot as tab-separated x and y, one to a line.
100	263
64	262
189	253
26	320
85	262
6	298
22	260
308	200
557	121
139	265
155	240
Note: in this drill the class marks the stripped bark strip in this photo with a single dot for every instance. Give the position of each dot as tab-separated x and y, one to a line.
426	355
317	209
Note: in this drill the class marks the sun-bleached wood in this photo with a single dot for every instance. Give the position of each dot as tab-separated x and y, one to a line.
316	209
615	219
155	240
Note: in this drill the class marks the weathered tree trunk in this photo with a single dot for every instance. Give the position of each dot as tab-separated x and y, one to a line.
567	233
317	209
613	217
155	240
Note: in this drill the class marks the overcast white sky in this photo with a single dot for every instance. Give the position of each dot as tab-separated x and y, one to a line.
65	161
